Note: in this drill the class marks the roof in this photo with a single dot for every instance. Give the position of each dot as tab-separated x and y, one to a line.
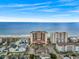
60	44
38	31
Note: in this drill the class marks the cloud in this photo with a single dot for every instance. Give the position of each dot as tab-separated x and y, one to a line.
14	19
15	5
62	15
33	8
56	19
75	11
66	0
51	10
69	4
25	5
43	3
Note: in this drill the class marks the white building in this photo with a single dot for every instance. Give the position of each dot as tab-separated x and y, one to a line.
44	56
59	37
66	58
20	46
73	39
68	47
77	48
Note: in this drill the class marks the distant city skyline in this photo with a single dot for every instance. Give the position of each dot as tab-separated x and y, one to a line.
23	28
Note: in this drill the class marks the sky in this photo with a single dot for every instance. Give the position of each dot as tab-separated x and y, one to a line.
24	28
39	10
64	14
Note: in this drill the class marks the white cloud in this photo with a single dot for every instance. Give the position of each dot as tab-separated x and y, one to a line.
14	19
66	0
32	8
77	11
69	4
15	5
43	3
28	6
62	14
25	5
50	10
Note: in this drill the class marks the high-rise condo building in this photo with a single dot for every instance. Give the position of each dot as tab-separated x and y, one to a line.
39	37
59	37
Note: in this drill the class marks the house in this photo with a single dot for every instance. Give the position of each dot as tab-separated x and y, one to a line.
66	58
45	57
73	39
19	46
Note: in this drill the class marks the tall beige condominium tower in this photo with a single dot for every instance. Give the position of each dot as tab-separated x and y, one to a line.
38	37
59	37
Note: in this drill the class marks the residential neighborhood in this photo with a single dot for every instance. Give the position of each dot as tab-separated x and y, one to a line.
39	29
38	45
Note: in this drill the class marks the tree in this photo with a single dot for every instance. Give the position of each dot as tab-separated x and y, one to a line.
74	55
53	56
1	57
32	56
37	57
66	55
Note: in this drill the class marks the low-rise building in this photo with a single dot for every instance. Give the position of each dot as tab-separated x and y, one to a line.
73	39
66	58
45	57
19	46
74	47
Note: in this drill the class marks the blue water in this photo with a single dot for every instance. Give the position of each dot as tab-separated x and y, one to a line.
7	28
